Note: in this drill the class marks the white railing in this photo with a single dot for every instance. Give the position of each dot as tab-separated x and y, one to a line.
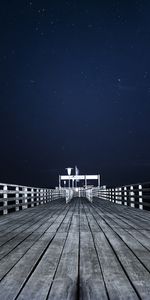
16	197
89	194
135	195
69	194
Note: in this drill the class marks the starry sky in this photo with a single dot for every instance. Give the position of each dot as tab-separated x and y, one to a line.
74	90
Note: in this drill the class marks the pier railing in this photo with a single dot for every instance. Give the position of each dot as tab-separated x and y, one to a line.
17	197
135	195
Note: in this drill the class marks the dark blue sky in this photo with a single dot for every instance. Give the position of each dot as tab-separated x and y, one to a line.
74	90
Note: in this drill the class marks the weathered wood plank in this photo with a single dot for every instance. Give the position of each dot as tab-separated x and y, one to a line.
39	224
15	255
18	275
137	274
66	278
117	283
91	280
39	283
82	250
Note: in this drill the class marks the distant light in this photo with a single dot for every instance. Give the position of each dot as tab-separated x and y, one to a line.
69	171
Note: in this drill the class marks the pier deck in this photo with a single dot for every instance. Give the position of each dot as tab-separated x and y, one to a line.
81	250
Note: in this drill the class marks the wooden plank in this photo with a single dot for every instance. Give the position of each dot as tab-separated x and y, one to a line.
143	236
117	218
64	284
135	271
141	252
117	283
76	251
126	214
12	224
65	281
38	225
18	275
15	255
38	285
91	280
14	280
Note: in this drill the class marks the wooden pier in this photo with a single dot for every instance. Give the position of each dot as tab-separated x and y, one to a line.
79	250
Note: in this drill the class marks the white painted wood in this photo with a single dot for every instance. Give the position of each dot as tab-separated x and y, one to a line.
140	197
17	200
41	196
5	210
24	199
132	199
17	197
37	197
116	195
125	195
79	177
32	197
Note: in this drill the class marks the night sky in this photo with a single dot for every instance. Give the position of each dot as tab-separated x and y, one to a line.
74	90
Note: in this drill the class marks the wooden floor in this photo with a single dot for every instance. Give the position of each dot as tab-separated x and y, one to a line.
82	250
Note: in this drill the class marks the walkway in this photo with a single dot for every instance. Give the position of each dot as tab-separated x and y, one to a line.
82	250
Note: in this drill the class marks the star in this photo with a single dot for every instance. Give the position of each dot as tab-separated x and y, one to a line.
32	81
90	25
13	52
145	74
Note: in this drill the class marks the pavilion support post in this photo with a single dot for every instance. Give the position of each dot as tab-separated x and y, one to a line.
85	179
59	182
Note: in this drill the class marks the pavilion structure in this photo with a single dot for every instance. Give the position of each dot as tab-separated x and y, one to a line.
76	178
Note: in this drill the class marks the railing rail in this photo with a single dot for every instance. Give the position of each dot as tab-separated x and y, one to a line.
135	195
16	197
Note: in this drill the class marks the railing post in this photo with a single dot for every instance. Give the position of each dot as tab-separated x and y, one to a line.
125	195
140	197
17	200
37	197
48	195
132	199
120	195
24	198
113	195
116	195
41	196
5	210
45	200
32	197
